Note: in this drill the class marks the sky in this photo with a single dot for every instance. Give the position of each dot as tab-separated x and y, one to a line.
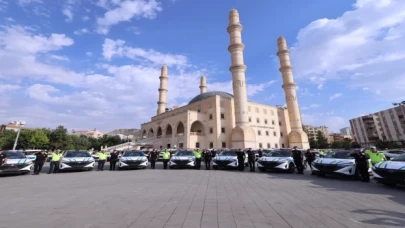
89	64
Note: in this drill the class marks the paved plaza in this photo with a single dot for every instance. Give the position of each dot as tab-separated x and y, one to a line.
189	198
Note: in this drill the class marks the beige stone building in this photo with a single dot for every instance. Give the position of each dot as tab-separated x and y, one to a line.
312	131
221	120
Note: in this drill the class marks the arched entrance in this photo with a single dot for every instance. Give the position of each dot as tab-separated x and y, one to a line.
151	133
197	128
144	134
169	131
159	132
180	129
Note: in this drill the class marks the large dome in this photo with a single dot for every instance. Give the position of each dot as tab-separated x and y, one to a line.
210	94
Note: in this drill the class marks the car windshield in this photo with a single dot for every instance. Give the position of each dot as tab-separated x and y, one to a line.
133	154
339	155
77	154
279	153
399	158
184	153
14	155
228	153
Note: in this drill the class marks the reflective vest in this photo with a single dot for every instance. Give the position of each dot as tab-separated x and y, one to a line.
56	157
166	155
375	157
197	154
321	152
102	156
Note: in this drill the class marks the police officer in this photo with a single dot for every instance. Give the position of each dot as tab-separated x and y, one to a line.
54	165
298	159
375	156
102	157
198	155
166	158
321	154
241	159
310	157
207	159
113	160
362	164
260	153
153	156
40	160
251	159
3	158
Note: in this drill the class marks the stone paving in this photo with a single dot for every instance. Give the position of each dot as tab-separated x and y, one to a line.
190	198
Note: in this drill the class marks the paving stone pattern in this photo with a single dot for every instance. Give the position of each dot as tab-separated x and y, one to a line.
196	199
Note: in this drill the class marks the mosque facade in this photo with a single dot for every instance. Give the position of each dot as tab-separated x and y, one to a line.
218	119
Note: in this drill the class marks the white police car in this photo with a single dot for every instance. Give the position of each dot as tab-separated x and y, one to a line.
227	159
277	160
182	159
133	159
390	172
17	163
335	163
76	160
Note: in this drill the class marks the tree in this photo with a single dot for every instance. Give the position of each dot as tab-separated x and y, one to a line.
355	145
39	139
313	143
322	141
59	138
7	138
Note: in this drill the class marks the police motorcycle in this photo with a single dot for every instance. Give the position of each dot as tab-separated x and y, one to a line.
17	163
75	160
336	163
390	172
227	159
133	159
182	159
277	160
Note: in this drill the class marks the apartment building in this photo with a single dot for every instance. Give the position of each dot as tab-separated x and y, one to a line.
346	131
312	131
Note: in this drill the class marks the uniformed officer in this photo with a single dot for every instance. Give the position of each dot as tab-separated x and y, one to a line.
54	165
153	156
166	158
113	160
321	154
40	160
207	159
251	159
260	153
362	164
375	156
102	157
3	158
241	159
198	155
298	159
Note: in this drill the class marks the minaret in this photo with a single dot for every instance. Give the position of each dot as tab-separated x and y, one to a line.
162	91
243	136
203	85
297	136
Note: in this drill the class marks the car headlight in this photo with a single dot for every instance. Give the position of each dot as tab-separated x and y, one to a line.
191	159
65	161
234	160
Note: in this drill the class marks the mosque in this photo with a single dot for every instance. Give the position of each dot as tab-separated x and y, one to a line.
222	120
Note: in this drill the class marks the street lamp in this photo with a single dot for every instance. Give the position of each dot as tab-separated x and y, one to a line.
19	124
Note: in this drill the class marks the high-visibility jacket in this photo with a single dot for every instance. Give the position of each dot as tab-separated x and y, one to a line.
102	156
375	157
166	154
56	157
197	154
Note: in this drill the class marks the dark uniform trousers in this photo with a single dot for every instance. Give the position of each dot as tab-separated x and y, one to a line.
252	164
38	166
298	164
54	167
241	164
112	164
152	164
198	163
363	171
165	161
207	163
101	165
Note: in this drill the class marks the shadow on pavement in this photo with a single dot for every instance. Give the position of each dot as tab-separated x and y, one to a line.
386	218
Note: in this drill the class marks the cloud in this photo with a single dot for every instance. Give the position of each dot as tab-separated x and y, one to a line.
117	48
310	106
334	96
85	18
8	87
68	9
27	2
362	47
126	11
81	31
3	5
89	53
59	57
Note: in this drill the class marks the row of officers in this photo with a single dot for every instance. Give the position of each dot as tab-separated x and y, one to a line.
207	155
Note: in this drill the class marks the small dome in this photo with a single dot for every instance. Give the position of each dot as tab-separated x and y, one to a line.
206	95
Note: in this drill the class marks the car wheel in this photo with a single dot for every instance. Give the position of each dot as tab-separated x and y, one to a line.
321	174
215	167
171	167
262	169
291	168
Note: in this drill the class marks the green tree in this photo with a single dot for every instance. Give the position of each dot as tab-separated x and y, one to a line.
322	141
355	145
39	139
7	138
313	143
59	138
80	142
24	140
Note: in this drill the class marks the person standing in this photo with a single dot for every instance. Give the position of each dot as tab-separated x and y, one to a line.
251	159
198	155
375	156
102	157
241	160
362	164
40	160
260	153
3	158
207	159
55	159
153	156
321	154
166	158
113	160
298	159
310	157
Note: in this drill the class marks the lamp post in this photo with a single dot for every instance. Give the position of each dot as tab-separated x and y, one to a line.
19	123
